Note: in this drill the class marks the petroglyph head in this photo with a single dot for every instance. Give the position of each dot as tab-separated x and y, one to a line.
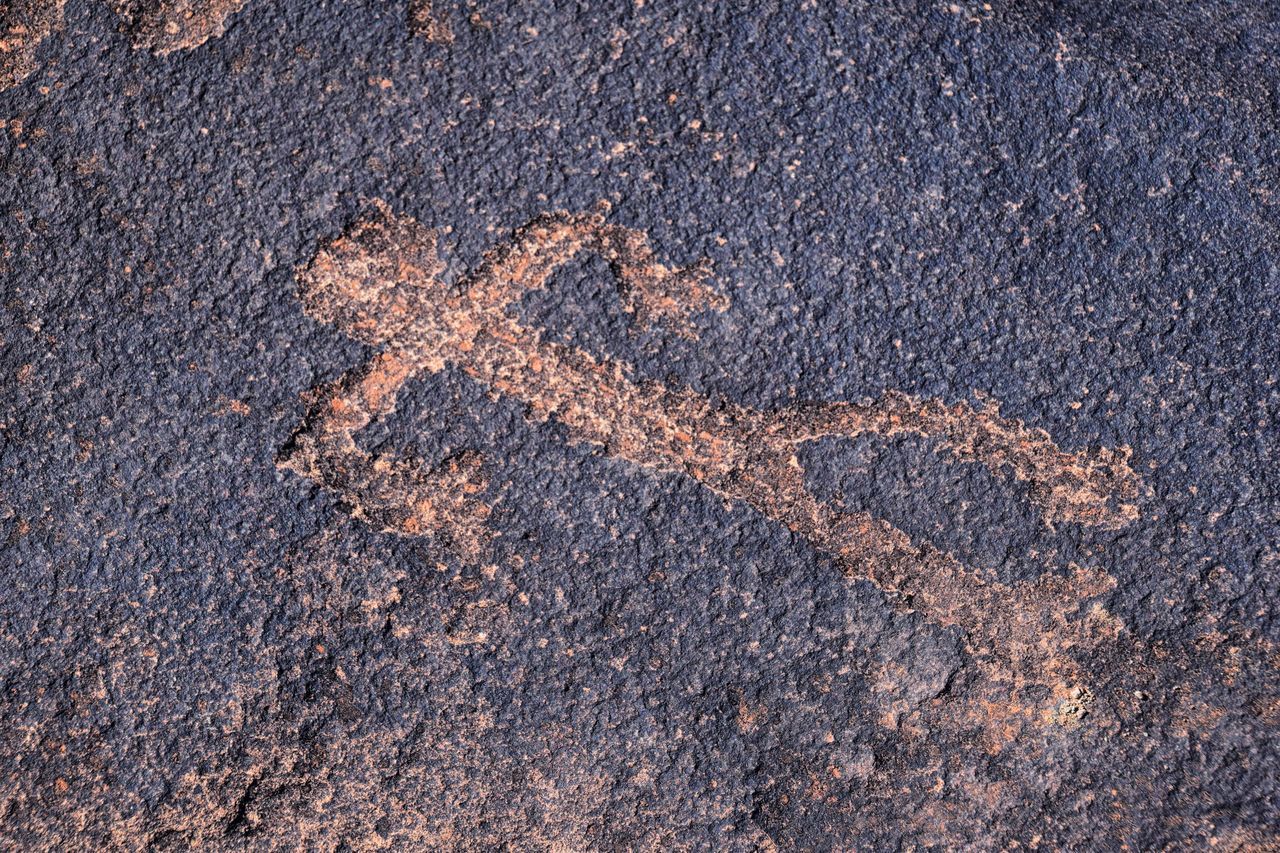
374	280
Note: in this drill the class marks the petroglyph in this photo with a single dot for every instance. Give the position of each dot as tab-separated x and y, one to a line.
379	282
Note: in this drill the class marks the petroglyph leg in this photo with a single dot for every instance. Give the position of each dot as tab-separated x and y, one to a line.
933	581
1093	487
391	495
1026	640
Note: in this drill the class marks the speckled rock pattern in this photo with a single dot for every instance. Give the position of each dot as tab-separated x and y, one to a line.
483	425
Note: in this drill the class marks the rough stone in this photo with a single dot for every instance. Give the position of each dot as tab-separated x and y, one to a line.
482	424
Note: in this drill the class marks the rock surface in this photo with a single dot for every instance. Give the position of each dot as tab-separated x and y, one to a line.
485	425
24	24
168	25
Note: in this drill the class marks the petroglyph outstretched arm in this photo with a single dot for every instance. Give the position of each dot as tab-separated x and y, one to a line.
1026	640
650	289
932	580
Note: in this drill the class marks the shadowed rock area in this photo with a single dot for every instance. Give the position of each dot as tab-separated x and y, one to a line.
483	425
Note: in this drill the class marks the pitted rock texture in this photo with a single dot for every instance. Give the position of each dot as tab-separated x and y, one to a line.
349	499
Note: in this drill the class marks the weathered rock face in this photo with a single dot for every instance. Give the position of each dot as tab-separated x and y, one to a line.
468	425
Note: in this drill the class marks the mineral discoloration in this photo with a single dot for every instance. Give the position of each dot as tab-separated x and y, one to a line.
1070	207
24	24
164	26
379	283
427	22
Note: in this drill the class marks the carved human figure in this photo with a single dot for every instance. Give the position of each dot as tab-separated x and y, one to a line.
380	283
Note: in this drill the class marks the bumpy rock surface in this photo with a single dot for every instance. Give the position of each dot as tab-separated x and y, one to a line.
480	425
